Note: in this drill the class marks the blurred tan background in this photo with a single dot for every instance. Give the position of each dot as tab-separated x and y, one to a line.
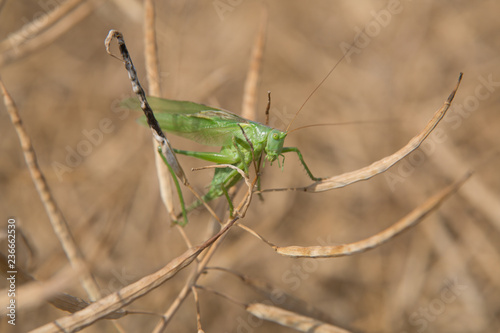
442	276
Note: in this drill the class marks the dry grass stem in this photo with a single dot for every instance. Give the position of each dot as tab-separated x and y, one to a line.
151	49
220	294
291	319
197	303
164	183
55	215
286	300
198	197
32	293
193	278
184	236
478	192
128	294
37	26
254	233
410	220
156	130
190	282
248	107
61	21
153	78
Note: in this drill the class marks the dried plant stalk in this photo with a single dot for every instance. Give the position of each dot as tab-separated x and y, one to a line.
153	78
191	281
156	130
151	49
248	108
291	319
198	314
55	215
38	25
32	293
58	28
410	220
128	294
286	300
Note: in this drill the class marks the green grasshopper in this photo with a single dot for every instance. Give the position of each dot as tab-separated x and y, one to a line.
243	141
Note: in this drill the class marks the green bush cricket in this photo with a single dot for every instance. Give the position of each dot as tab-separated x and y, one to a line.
242	141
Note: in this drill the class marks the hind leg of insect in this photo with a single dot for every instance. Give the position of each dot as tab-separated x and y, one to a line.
229	154
222	182
221	158
299	154
224	179
215	190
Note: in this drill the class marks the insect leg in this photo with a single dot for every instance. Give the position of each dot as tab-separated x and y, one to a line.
221	158
296	150
224	179
241	155
252	151
229	201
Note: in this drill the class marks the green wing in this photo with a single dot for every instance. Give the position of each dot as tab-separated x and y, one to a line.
200	123
166	105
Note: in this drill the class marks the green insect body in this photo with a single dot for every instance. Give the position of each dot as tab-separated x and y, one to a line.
215	127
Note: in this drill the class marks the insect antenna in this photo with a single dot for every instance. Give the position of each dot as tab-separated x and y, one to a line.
319	85
360	122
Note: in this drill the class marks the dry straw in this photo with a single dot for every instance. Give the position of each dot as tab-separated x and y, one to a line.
46	30
55	215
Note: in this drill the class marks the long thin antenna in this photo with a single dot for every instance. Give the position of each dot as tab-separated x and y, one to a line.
319	85
355	122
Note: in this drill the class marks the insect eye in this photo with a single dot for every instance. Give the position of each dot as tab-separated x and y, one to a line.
275	136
